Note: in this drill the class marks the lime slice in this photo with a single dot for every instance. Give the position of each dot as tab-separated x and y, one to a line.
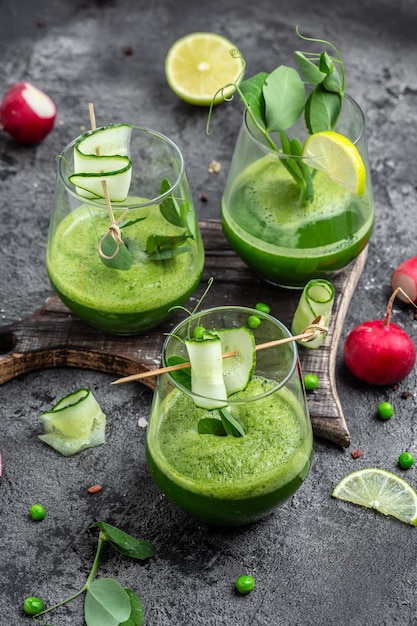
198	65
381	490
338	157
103	155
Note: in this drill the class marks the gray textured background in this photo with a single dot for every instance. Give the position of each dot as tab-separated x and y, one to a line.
316	561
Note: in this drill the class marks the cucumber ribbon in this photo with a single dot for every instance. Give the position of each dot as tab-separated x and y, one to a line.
316	302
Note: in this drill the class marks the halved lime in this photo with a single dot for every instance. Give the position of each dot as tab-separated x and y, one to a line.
199	64
381	490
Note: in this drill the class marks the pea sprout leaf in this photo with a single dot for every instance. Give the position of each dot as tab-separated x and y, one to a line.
322	110
106	603
122	260
285	96
231	425
162	247
309	69
211	426
251	91
137	616
125	543
183	376
169	207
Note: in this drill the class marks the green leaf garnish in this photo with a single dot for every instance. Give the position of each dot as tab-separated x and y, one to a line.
211	426
183	376
230	423
276	101
118	258
124	543
137	616
106	601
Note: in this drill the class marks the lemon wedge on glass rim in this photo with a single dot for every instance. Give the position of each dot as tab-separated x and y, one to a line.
199	64
381	490
338	157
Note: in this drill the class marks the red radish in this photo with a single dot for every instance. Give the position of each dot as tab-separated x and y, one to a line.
27	113
405	276
380	352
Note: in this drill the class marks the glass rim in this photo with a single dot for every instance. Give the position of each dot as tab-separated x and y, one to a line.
267	148
101	202
247	311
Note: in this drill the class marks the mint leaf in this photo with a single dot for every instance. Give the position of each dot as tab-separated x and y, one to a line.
183	376
251	92
169	206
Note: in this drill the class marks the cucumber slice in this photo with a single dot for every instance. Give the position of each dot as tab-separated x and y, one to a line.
76	422
237	370
207	371
316	300
103	155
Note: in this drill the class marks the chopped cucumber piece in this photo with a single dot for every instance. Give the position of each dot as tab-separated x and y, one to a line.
237	370
75	423
207	371
103	155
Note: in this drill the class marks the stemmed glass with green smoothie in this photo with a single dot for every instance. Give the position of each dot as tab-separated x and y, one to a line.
124	245
298	199
229	438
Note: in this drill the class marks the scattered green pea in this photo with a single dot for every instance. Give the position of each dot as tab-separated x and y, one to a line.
254	321
32	605
311	382
406	460
199	332
37	512
244	584
261	306
385	410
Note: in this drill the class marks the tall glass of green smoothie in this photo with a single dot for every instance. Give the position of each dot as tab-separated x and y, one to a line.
298	198
285	238
216	472
124	245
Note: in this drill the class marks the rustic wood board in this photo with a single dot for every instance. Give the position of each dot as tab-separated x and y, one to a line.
54	337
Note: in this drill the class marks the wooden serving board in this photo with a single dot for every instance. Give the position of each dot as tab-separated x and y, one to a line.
54	337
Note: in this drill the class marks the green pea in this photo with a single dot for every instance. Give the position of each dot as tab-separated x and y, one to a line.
199	332
406	460
311	382
254	321
263	307
32	605
244	584
37	512
385	410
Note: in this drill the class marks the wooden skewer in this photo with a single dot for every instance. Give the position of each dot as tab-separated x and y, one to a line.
309	333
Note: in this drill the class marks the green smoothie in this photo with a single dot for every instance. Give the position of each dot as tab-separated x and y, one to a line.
230	480
120	301
286	242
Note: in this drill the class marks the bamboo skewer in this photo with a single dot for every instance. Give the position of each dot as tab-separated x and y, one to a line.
308	334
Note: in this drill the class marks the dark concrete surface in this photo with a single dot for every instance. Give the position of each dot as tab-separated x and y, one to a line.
316	560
